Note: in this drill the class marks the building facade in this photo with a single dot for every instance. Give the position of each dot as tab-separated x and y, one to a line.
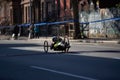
4	13
38	11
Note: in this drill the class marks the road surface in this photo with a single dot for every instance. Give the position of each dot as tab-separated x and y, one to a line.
26	60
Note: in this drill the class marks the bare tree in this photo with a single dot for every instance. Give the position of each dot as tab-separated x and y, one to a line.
76	19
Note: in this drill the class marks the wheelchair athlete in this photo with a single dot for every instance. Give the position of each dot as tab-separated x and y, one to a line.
57	44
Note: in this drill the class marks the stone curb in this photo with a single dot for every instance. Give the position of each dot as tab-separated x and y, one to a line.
97	41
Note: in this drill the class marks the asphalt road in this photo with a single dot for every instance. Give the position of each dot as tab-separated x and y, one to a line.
26	60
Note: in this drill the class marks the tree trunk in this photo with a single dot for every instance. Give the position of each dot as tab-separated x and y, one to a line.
76	19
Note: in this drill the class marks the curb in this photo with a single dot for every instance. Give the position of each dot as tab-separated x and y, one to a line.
84	41
98	41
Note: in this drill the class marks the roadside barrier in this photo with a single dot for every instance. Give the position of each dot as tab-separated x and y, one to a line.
69	21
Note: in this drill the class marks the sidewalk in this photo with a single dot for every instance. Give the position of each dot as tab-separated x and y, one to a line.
92	40
107	41
5	37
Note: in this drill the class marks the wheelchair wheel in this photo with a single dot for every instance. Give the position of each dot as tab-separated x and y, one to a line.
46	46
67	44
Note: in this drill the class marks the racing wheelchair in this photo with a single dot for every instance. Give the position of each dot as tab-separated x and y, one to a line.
58	44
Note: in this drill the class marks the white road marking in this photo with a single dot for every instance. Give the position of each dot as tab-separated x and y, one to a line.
63	73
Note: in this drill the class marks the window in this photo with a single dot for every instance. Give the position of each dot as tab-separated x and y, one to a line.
49	7
71	27
26	14
43	10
